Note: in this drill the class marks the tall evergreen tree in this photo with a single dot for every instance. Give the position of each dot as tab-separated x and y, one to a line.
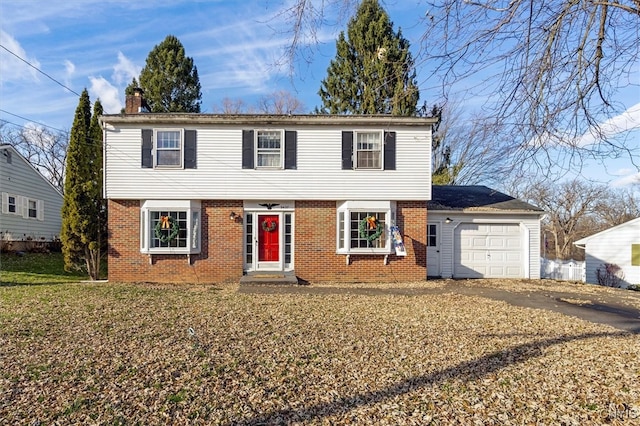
82	211
169	79
373	71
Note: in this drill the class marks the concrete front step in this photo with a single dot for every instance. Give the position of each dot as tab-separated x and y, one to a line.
271	278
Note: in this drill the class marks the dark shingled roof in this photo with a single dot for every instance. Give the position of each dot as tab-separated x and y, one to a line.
475	198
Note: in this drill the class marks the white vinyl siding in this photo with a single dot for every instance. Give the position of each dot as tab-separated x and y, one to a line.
318	174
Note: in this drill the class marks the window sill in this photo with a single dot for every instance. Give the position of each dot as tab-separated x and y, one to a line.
366	252
167	250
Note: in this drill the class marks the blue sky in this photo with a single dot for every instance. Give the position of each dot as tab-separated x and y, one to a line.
236	45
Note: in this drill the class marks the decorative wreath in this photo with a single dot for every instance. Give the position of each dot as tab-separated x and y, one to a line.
372	222
167	222
269	226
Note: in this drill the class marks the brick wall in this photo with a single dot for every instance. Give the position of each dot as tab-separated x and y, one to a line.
221	257
315	247
219	261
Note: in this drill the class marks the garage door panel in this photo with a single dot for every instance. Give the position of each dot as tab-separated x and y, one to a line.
488	250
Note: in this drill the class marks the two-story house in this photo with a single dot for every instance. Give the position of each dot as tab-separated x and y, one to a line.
210	198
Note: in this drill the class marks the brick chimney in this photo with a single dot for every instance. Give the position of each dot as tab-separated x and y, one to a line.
135	104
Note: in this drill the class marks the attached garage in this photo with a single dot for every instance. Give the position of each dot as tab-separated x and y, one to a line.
488	250
477	232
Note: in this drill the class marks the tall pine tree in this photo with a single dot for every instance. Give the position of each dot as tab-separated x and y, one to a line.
169	79
83	213
373	71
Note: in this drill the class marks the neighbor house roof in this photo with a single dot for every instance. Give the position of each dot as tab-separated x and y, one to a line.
585	240
476	198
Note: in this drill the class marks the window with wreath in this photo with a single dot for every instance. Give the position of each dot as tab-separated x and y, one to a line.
170	226
363	226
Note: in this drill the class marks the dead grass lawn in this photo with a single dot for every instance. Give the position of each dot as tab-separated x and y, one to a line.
135	354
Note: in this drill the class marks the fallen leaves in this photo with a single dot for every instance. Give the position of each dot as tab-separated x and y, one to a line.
130	354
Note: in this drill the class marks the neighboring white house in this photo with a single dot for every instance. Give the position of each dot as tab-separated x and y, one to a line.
619	245
477	232
31	205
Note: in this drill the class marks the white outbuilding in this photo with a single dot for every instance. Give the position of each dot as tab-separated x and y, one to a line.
618	246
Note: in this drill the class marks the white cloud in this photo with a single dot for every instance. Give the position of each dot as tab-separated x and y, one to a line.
69	67
107	93
11	67
625	122
125	70
632	178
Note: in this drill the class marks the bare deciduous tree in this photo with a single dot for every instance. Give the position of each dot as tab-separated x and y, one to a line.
576	209
231	106
465	152
279	102
552	70
44	149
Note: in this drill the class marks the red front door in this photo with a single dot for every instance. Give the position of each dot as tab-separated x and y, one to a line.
268	238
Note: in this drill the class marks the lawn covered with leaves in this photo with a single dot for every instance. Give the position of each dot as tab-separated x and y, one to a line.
139	354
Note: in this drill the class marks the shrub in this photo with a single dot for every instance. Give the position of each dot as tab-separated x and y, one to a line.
609	275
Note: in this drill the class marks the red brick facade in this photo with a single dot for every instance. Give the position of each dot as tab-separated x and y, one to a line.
221	259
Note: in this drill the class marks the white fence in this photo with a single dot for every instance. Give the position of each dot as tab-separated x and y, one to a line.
568	270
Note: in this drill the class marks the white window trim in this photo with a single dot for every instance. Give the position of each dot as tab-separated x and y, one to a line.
346	207
156	149
355	149
17	204
255	150
194	230
22	206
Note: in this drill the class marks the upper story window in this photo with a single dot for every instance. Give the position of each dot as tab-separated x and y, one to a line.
368	150
169	148
269	148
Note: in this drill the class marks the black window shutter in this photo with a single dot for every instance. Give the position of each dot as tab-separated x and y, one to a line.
147	148
290	149
389	150
247	149
190	151
347	150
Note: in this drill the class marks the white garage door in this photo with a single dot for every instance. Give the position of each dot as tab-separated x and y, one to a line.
488	250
